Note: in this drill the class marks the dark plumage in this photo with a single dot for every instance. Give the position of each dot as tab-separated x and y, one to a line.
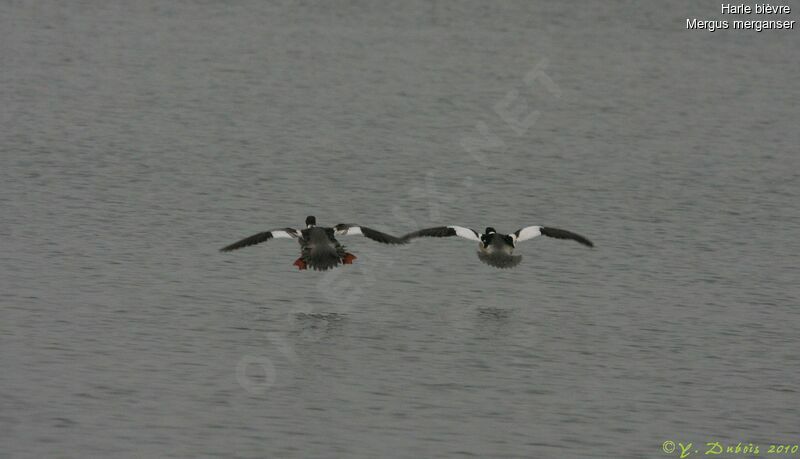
437	231
563	234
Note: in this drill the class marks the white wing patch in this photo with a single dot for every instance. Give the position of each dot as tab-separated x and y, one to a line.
466	233
529	232
349	230
287	233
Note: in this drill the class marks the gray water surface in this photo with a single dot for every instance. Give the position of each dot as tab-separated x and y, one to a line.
140	137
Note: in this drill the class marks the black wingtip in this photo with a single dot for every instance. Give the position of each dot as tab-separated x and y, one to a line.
382	237
584	240
437	231
564	234
248	241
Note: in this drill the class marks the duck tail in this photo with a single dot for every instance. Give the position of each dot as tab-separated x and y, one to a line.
499	259
323	258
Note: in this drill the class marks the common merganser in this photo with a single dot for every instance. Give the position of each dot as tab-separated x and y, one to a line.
318	245
497	249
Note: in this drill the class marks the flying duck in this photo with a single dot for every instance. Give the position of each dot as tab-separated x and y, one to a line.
318	245
497	249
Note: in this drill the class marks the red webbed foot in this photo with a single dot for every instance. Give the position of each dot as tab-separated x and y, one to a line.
348	258
301	265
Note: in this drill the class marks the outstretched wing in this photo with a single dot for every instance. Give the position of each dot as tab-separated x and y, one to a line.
445	231
289	233
346	229
530	232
